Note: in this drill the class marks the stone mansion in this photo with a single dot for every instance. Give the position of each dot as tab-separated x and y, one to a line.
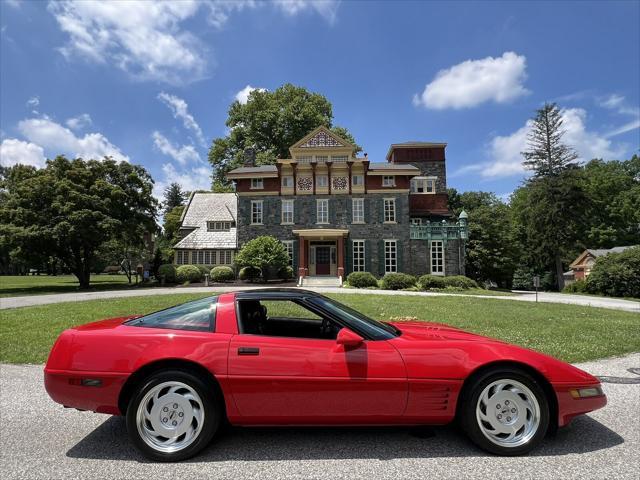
335	212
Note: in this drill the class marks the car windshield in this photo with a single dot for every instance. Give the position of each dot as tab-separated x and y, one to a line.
372	328
198	315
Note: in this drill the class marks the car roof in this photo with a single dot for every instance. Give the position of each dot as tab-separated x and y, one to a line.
265	293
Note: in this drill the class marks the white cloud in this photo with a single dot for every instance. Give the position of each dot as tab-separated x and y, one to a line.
14	3
611	101
243	95
505	157
79	122
180	110
196	178
183	154
618	103
149	40
14	151
56	139
327	9
473	82
33	102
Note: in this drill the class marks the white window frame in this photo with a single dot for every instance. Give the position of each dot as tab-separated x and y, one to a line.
357	218
322	180
226	257
257	183
288	245
358	255
322	211
218	226
287	181
255	213
390	256
286	211
388	181
423	183
357	179
390	212
437	262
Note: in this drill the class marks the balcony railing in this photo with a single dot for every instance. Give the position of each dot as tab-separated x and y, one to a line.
439	231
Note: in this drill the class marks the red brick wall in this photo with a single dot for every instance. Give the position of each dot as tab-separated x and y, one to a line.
270	185
425	204
407	155
375	182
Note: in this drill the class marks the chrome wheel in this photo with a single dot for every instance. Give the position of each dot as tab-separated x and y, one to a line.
170	417
508	413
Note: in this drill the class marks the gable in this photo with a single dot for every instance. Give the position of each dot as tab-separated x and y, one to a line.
322	137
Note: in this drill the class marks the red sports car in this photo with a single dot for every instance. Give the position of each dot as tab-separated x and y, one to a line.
294	357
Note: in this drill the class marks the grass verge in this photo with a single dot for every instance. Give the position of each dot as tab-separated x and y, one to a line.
571	333
22	285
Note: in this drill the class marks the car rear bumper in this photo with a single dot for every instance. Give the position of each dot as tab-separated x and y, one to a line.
569	406
94	391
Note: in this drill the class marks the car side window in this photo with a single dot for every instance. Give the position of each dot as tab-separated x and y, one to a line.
283	318
198	315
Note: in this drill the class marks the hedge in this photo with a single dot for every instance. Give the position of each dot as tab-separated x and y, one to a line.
616	274
222	274
397	281
435	282
188	273
249	273
168	271
204	269
427	282
579	286
362	280
285	273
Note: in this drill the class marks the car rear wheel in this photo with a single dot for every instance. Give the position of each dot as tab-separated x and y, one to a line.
505	412
172	416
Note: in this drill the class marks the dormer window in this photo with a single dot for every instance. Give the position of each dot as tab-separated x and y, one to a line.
257	183
219	226
388	181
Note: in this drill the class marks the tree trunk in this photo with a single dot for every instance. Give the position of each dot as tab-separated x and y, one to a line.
559	273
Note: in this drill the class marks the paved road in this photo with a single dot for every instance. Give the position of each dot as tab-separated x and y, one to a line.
26	301
39	439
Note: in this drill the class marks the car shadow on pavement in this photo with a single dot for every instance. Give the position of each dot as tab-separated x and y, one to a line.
109	442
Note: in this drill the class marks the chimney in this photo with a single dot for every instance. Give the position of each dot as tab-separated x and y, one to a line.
249	157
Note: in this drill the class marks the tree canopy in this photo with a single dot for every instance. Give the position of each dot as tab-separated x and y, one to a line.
174	197
72	208
270	122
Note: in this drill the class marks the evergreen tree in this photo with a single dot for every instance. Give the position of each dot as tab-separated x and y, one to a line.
546	154
173	197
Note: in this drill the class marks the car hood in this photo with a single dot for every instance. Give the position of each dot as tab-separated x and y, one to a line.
436	331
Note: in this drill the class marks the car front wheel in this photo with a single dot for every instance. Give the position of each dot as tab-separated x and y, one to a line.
506	412
172	416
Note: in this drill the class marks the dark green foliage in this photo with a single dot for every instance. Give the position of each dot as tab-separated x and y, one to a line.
270	122
204	269
285	273
460	281
428	282
265	253
249	274
222	273
397	281
546	154
616	274
188	273
173	197
168	271
579	286
362	280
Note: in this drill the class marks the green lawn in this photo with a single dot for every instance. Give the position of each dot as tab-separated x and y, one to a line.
571	333
20	285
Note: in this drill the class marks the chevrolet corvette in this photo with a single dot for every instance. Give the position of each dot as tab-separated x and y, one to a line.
284	357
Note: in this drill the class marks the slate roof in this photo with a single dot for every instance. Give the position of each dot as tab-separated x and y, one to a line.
258	169
598	252
209	207
392	166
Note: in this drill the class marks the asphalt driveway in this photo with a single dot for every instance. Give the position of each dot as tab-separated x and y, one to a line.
40	439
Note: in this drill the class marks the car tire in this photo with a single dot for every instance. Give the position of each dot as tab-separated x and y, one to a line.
505	411
173	415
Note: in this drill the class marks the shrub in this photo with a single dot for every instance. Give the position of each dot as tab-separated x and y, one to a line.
362	280
188	273
285	273
579	286
222	274
428	282
460	281
168	271
265	253
249	274
616	274
397	281
204	270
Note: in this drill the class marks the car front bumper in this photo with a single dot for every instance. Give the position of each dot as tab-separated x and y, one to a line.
570	405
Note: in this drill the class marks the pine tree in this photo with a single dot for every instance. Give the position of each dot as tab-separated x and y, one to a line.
173	197
546	154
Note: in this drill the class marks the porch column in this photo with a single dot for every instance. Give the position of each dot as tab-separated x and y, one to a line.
341	256
302	258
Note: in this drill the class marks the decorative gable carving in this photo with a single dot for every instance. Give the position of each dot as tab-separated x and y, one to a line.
321	139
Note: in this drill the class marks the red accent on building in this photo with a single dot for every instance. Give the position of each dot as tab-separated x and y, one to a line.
426	204
374	182
270	185
418	154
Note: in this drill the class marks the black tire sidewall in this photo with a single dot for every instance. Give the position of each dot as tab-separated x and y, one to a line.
470	400
212	414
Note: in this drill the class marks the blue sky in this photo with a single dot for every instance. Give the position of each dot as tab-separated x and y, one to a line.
151	82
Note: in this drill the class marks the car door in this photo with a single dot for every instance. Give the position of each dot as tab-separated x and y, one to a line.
280	379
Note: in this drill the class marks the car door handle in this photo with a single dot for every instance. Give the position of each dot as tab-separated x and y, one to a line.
248	351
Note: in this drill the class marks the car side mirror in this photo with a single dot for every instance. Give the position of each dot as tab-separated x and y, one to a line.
348	338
